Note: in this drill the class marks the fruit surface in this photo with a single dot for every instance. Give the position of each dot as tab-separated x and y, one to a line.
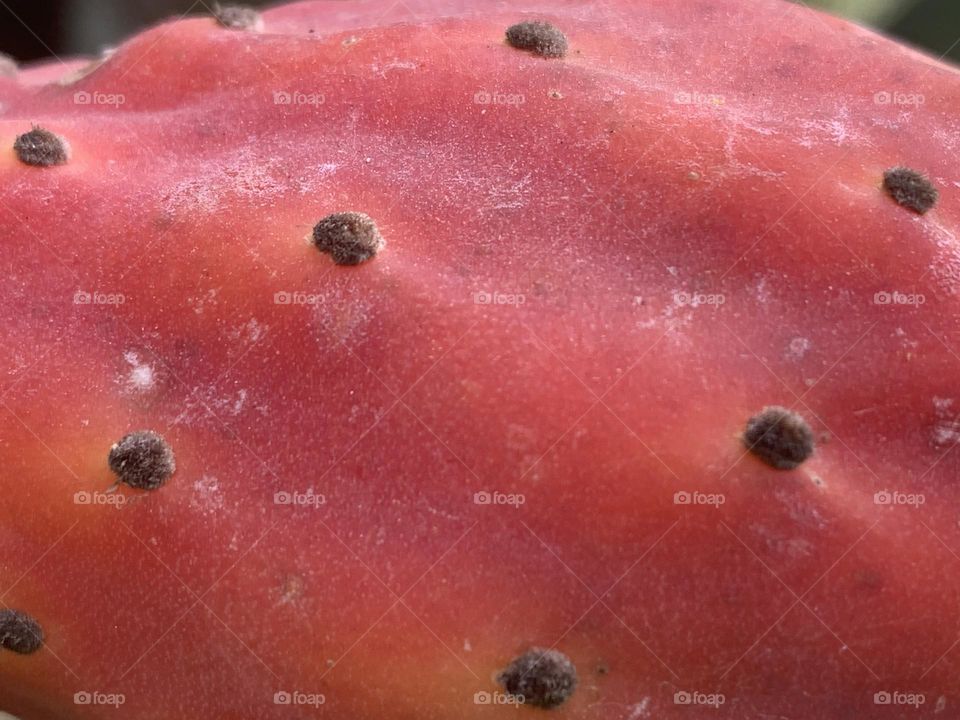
518	421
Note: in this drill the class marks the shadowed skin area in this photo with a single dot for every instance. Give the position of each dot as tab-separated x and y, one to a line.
395	478
238	17
8	66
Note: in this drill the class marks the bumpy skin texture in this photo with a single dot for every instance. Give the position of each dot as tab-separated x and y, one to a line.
528	329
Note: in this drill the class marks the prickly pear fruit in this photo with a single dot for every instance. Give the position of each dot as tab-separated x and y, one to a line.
422	359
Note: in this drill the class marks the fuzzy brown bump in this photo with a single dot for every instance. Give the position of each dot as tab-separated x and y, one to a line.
19	632
142	460
350	238
545	678
238	17
779	437
910	189
40	148
541	38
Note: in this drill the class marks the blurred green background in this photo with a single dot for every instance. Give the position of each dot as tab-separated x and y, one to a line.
31	29
930	24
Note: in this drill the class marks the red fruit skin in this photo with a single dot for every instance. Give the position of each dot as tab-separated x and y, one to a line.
722	148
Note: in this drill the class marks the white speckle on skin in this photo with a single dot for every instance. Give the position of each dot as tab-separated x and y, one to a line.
640	710
946	434
836	130
945	267
241	399
503	188
947	429
343	313
668	318
760	290
251	332
140	378
381	70
199	303
798	348
206	496
508	197
904	340
228	404
245	176
733	167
